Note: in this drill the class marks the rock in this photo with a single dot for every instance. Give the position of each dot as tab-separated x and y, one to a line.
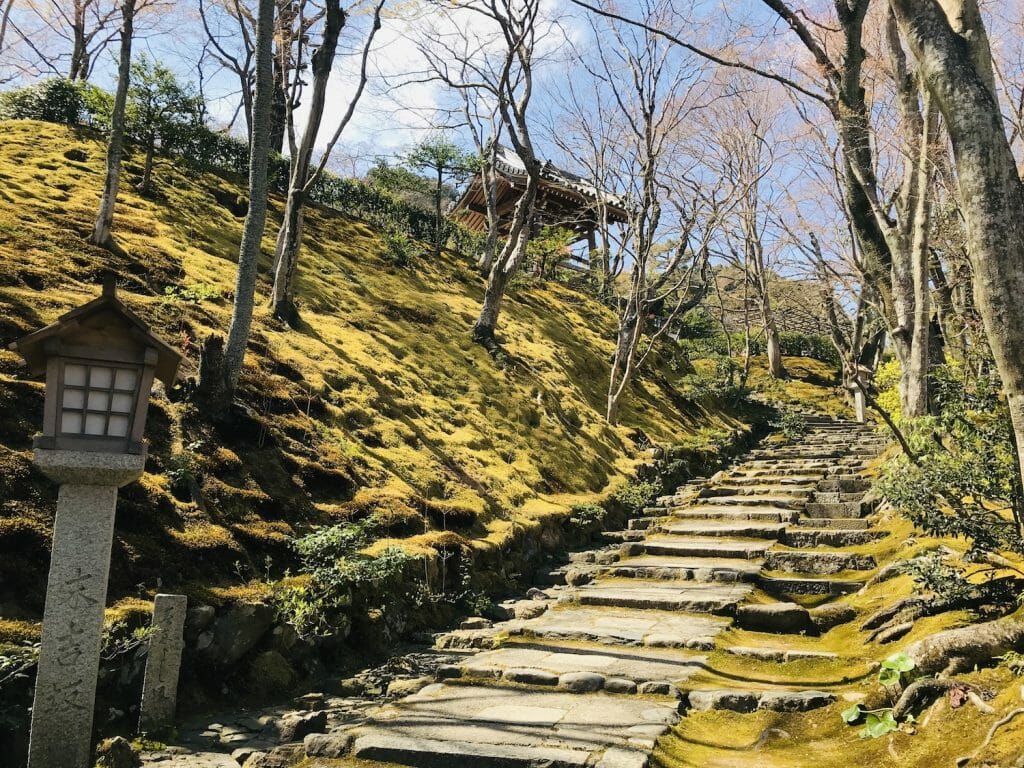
658	688
351	686
606	558
631	549
787	618
536	594
448	672
500	612
296	726
794	701
117	753
235	633
575	577
826	617
242	754
197	619
528	676
618	757
529	609
270	673
406	687
620	685
278	757
581	682
476	622
330	745
734	701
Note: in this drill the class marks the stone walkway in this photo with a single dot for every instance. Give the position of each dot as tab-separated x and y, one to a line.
595	669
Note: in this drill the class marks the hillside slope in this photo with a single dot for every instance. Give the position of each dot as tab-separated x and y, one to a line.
379	403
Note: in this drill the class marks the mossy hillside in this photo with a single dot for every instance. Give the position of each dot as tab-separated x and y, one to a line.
778	740
378	405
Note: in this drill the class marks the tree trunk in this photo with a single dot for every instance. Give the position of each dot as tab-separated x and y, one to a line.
773	346
101	233
282	298
438	224
289	237
508	261
147	168
79	67
226	373
623	363
991	194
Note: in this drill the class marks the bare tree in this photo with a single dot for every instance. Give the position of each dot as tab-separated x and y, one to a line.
101	234
744	152
303	173
220	365
633	138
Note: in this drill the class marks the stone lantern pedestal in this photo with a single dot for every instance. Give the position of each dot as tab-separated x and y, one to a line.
76	593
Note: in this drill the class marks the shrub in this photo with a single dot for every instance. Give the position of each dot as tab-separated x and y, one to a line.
55	100
634	496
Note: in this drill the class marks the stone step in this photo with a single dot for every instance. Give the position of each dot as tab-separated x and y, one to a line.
579	669
728	513
837	497
781	481
847	523
682	546
685	568
852	509
715	598
763	489
829	537
643	523
757	474
808	586
724	528
751	500
781	655
848	484
822	563
743	700
778	618
626	627
619	537
475	726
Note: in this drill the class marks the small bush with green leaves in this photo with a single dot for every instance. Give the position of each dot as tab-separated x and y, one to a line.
634	496
965	482
790	424
335	569
894	673
586	515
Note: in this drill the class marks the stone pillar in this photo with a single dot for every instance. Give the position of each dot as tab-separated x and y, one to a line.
160	687
859	404
76	593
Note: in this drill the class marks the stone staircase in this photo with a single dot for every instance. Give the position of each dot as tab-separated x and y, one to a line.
595	668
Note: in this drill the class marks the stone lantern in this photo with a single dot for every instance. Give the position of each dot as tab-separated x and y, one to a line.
100	361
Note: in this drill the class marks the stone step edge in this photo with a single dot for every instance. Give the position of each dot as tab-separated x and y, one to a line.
568	682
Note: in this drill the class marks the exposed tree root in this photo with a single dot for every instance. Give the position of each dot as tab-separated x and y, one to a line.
1009	716
960	650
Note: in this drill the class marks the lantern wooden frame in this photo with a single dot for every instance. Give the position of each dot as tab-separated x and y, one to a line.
88	355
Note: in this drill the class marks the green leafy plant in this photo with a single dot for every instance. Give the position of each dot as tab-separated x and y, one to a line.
894	669
634	496
790	424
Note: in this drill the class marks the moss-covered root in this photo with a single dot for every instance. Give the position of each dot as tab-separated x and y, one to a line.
962	649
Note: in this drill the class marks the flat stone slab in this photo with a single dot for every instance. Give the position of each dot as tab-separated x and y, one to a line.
469	726
766	515
695	568
637	665
627	627
742	700
701	598
780	654
690	546
726	528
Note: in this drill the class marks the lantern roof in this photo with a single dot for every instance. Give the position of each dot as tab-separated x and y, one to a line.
103	321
